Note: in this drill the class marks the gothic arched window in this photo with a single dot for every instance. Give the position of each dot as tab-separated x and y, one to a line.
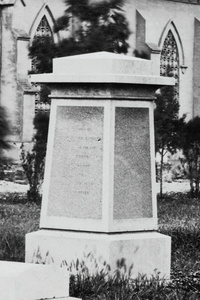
169	61
43	30
42	33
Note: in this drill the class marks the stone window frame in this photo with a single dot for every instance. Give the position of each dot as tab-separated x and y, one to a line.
170	31
46	13
43	30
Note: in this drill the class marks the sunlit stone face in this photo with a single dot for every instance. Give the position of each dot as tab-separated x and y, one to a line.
76	178
132	164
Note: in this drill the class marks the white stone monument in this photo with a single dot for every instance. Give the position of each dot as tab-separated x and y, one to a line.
23	281
99	193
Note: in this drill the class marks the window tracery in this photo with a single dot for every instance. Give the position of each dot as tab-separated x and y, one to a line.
169	62
43	31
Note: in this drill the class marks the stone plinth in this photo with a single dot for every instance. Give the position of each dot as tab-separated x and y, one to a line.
19	281
100	169
146	252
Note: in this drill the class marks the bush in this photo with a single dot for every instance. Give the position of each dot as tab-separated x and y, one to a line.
33	162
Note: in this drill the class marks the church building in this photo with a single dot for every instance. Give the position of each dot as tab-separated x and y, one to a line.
168	29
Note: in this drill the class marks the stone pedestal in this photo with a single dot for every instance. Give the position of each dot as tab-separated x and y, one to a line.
99	188
19	281
143	253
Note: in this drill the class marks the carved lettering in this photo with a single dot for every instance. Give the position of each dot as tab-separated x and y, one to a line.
78	162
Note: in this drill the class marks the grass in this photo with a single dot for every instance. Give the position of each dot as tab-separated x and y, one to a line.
17	217
179	217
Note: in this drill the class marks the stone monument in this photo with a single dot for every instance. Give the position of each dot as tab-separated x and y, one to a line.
99	193
24	281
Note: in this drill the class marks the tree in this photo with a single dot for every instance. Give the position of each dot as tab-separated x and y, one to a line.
168	126
96	26
191	151
33	162
42	51
92	26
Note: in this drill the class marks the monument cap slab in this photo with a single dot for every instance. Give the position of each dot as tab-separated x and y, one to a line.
104	67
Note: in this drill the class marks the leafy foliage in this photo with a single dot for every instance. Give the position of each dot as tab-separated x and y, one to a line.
44	93
191	150
167	122
96	26
168	125
42	51
91	27
33	162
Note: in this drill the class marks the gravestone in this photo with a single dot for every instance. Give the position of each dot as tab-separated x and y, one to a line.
23	281
99	197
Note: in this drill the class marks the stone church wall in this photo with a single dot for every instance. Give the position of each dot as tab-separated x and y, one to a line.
157	17
19	21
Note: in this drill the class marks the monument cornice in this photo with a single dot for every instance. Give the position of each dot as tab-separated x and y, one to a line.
102	91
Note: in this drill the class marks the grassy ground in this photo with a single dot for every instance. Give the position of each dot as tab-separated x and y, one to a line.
17	217
179	217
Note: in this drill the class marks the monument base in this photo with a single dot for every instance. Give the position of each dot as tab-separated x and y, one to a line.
20	281
142	253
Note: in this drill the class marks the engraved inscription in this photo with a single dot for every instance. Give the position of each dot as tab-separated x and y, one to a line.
76	177
132	164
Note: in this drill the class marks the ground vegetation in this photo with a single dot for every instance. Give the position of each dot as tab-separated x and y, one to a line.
33	162
168	126
178	217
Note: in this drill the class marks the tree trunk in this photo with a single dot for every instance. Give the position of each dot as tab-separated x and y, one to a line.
161	174
196	174
191	178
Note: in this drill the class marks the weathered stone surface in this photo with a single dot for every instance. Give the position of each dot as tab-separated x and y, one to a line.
25	281
132	171
77	163
146	251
